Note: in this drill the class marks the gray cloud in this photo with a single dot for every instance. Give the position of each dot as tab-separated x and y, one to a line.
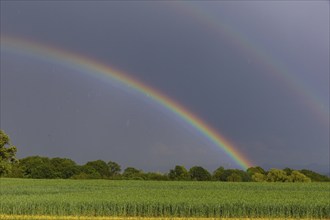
52	110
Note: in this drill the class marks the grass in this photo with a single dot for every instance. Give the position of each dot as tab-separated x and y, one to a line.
45	217
28	197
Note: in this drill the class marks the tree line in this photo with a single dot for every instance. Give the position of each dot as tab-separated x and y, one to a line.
63	168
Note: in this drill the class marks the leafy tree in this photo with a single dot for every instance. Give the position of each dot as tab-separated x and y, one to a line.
45	168
87	172
296	176
114	169
178	173
64	168
132	173
199	173
259	177
100	167
7	153
244	175
218	173
234	177
227	173
155	176
37	167
288	171
16	171
315	177
276	175
253	170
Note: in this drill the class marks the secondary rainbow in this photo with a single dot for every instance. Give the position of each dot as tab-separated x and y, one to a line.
266	60
94	67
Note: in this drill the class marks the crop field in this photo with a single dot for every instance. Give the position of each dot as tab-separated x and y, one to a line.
74	198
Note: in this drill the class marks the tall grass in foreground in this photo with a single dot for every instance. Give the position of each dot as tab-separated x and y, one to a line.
164	199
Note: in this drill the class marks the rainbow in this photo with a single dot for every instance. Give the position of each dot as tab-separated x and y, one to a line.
93	67
272	66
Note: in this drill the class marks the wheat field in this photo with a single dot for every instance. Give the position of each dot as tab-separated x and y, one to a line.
104	199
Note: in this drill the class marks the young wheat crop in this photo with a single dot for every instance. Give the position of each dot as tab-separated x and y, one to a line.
164	199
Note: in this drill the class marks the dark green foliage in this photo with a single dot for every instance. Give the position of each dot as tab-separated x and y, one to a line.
218	173
64	168
199	173
131	173
315	177
37	167
100	167
16	171
253	170
114	169
87	172
296	176
179	173
7	154
44	168
235	175
258	177
257	174
155	176
276	175
288	171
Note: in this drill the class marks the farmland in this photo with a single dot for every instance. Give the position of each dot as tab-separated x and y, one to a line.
163	199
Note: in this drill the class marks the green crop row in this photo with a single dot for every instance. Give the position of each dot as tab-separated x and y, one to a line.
164	199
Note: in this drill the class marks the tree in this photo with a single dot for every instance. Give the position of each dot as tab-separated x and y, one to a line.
179	173
37	167
296	176
253	170
217	174
155	176
63	168
234	177
288	171
315	177
87	172
259	177
7	153
199	173
114	169
100	166
276	175
16	171
227	173
132	173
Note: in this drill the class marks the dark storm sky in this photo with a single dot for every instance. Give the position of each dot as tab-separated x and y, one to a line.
180	49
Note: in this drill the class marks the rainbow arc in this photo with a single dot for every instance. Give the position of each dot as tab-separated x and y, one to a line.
93	68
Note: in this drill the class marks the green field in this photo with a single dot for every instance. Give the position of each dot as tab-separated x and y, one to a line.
164	199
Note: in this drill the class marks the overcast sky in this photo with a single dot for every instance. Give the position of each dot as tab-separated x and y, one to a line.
258	72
